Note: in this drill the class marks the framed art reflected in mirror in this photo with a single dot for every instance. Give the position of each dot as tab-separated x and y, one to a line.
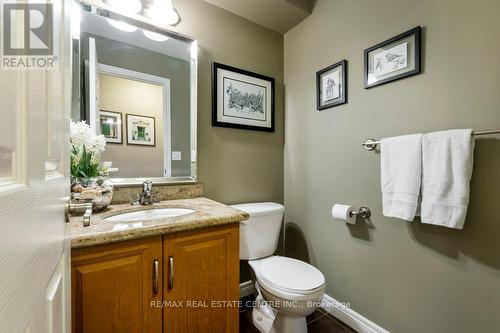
111	126
141	130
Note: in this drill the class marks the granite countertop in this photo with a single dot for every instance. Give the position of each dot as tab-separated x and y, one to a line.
207	213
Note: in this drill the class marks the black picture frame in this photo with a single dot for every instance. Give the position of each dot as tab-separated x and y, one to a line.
216	90
343	90
120	116
417	31
141	116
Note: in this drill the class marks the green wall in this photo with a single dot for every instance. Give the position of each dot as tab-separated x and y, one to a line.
407	277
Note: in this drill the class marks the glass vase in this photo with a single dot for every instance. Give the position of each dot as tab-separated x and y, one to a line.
97	190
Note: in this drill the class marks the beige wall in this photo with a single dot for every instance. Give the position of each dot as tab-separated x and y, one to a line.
139	98
235	165
407	277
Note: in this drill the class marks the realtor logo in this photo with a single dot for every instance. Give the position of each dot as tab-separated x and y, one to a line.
27	38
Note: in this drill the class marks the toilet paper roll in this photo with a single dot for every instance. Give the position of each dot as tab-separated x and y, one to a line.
343	213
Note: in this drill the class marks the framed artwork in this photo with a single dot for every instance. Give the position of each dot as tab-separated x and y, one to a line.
242	99
140	130
331	86
111	126
393	59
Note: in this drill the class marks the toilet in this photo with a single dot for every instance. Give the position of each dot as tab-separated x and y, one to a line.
287	289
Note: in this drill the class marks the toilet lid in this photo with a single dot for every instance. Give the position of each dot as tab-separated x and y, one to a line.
291	273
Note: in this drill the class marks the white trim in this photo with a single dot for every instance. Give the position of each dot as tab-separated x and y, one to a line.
93	86
349	316
193	101
333	307
246	289
167	119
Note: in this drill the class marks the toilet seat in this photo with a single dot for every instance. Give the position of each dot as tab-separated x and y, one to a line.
289	278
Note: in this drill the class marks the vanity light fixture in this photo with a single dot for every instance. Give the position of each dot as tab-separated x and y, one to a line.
154	36
122	25
126	6
163	12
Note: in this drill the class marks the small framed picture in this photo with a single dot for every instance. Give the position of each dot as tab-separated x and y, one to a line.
331	86
242	99
111	126
140	130
393	59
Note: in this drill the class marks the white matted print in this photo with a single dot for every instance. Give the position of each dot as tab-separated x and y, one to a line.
140	130
330	85
111	126
242	99
391	60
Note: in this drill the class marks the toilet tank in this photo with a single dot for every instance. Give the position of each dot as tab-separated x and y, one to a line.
259	234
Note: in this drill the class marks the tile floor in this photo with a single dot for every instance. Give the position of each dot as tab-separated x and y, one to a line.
318	322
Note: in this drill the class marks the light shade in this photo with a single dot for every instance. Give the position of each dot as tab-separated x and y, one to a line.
163	12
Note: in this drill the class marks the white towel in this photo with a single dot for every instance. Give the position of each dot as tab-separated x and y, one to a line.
401	164
447	159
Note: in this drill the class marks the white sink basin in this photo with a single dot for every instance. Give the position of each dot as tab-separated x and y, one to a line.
149	214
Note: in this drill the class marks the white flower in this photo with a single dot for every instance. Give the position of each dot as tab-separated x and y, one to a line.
76	159
94	159
81	135
107	167
97	145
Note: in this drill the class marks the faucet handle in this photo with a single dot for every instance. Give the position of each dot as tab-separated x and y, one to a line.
147	186
71	208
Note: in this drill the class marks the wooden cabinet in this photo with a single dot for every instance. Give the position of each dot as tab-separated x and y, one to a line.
201	287
187	282
113	286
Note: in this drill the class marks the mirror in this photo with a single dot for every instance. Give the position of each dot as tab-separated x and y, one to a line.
135	84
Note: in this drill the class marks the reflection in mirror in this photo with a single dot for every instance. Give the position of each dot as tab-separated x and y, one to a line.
138	89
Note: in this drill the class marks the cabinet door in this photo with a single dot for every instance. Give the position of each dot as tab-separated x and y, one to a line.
202	267
115	287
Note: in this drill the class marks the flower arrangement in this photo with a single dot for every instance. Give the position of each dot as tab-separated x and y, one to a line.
90	182
86	152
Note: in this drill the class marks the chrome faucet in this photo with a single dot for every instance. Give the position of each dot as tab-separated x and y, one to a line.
146	198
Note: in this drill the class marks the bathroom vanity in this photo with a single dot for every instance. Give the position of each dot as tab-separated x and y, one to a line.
171	274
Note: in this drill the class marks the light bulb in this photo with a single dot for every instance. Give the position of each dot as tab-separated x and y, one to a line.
122	25
154	36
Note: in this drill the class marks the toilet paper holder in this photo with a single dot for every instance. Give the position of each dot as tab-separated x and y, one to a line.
364	212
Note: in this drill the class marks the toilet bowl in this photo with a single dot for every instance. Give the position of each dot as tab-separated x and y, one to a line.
288	289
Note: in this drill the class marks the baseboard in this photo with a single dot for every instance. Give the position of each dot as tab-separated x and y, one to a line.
333	307
349	316
246	289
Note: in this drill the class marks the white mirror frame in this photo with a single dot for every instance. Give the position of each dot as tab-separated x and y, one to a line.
101	9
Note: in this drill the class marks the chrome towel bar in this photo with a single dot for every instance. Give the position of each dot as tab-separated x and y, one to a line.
371	144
